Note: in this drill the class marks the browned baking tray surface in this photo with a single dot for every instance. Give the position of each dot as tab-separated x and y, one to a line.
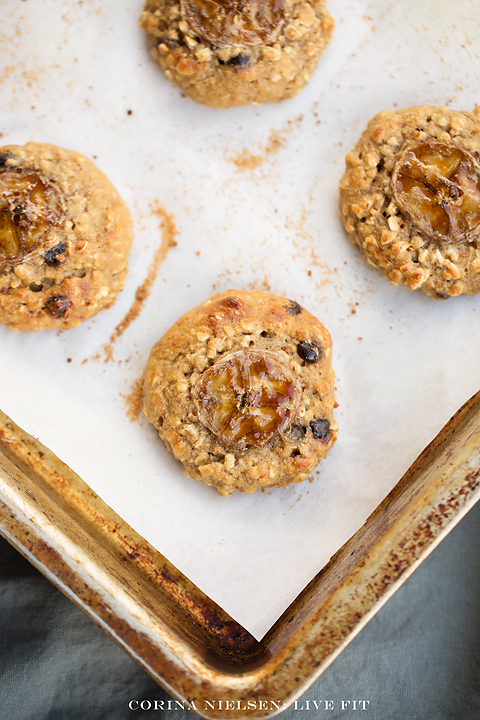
176	633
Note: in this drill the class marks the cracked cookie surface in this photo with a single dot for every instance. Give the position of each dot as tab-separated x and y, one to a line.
241	390
65	236
224	53
410	198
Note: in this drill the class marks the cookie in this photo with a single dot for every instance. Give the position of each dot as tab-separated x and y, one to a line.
241	390
65	236
410	198
224	53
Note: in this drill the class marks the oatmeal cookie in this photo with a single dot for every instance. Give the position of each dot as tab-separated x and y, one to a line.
410	198
65	235
224	53
241	390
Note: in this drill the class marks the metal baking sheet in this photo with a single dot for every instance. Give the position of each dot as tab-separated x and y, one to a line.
249	196
186	642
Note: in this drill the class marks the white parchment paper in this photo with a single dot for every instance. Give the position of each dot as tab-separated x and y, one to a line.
70	72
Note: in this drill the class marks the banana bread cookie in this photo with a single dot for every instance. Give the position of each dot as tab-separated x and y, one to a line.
65	236
410	198
234	52
241	390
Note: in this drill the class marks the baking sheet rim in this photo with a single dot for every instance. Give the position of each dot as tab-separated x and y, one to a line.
197	658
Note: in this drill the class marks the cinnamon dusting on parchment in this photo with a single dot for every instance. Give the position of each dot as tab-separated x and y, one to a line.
308	251
134	399
169	232
247	160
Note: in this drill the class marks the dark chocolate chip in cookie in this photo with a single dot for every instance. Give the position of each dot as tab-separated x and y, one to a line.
294	433
171	44
4	156
239	61
59	306
320	429
309	351
294	308
55	256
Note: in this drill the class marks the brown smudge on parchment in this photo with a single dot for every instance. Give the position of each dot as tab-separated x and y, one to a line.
247	160
169	232
134	399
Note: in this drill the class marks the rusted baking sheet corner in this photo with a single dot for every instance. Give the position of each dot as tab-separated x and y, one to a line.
177	634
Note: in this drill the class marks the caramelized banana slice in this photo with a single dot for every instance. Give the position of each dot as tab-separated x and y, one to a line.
234	22
29	208
246	397
437	186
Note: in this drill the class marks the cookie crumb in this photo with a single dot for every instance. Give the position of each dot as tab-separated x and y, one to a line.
277	139
134	399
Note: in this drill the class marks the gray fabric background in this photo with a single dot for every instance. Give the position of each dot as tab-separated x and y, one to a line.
418	658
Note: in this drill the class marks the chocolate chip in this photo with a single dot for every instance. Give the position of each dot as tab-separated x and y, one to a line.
294	308
309	351
59	306
239	60
295	433
216	458
3	159
171	44
320	429
52	255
